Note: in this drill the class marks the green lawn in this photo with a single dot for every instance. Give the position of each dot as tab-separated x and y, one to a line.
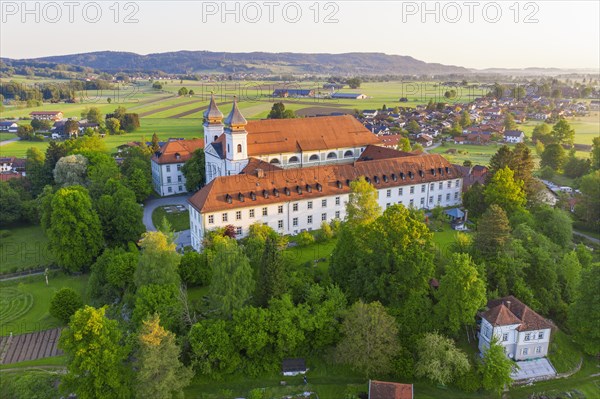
47	361
24	302
179	220
478	154
24	248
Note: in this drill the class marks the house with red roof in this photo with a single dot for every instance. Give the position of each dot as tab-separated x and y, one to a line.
167	164
390	390
523	333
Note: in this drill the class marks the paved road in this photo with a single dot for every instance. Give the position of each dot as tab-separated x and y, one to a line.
183	237
4	142
592	239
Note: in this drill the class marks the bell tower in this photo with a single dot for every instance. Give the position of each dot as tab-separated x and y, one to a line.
236	139
213	122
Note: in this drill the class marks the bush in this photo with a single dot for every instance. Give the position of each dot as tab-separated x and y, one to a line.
547	173
469	381
305	238
64	304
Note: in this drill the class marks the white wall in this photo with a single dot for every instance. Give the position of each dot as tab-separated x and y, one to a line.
168	179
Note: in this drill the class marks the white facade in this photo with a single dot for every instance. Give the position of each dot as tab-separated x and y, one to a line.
292	216
518	345
514	139
168	179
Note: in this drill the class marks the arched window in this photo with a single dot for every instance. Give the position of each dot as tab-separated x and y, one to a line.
348	154
332	155
274	161
314	157
216	137
294	159
239	148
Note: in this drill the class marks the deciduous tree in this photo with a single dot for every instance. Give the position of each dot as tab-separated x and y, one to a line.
505	192
584	314
496	368
64	303
96	357
439	360
193	170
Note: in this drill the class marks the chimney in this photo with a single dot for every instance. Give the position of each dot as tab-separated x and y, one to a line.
260	173
508	304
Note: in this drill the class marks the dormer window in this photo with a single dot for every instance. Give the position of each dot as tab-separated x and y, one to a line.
177	155
348	182
276	192
376	179
411	175
394	177
241	197
339	184
228	198
286	191
421	173
319	187
265	194
252	195
433	171
447	170
368	179
308	188
385	178
299	190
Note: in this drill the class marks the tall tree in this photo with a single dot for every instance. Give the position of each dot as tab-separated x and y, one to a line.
54	152
120	216
496	368
542	132
369	339
11	205
232	282
160	373
493	231
461	293
439	360
563	133
96	356
36	171
501	159
554	156
509	122
362	206
155	143
272	278
213	351
588	209
596	153
158	260
584	314
71	170
278	111
474	201
161	299
504	191
74	230
193	170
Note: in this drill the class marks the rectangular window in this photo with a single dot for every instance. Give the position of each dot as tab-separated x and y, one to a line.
251	213
280	209
324	203
441	185
456	195
295	222
448	197
538	349
280	224
525	351
527	337
388	193
412	189
179	177
505	337
168	168
412	202
264	211
423	188
238	231
170	189
238	215
295	207
178	166
211	219
169	179
422	201
457	183
309	219
180	188
324	216
439	198
387	205
431	199
541	335
309	204
337	214
449	184
337	200
431	186
224	217
400	191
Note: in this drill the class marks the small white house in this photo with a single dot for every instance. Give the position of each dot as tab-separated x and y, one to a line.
8	126
523	333
514	136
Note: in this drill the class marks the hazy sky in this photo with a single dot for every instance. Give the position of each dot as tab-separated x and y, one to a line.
476	34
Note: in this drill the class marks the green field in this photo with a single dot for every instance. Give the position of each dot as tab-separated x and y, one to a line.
179	221
25	302
24	248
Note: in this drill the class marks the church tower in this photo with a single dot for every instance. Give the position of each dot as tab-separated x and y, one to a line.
236	139
213	122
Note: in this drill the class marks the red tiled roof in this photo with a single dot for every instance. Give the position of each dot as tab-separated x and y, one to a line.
389	390
10	175
274	136
185	149
509	310
45	112
332	180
